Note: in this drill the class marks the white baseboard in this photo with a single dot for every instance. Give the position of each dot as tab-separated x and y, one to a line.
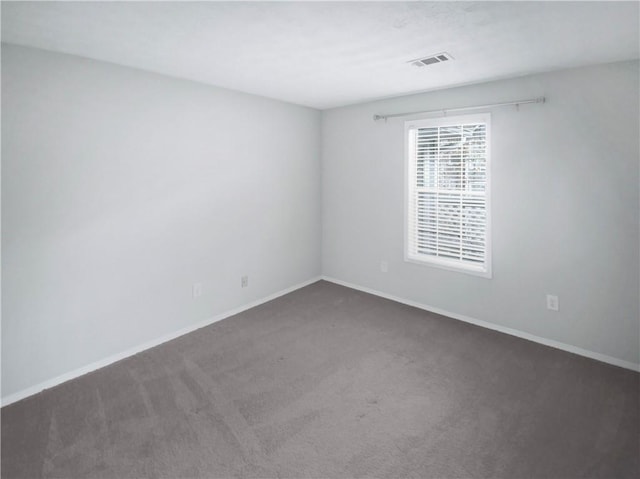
30	391
485	324
168	337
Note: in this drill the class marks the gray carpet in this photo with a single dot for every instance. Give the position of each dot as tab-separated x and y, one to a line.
328	382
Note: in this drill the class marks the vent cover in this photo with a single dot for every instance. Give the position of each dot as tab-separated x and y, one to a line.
431	60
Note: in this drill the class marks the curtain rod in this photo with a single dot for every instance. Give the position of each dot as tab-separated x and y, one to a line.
446	110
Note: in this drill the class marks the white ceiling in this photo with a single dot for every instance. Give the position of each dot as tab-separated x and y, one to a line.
330	54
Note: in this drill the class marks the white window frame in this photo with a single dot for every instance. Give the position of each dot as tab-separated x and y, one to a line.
484	269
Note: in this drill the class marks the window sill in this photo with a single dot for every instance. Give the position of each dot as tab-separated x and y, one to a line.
479	270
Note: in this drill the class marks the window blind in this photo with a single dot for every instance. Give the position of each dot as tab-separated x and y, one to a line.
448	192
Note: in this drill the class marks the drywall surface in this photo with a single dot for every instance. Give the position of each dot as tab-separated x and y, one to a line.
565	216
122	188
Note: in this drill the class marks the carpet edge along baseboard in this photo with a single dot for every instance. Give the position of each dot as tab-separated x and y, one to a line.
101	363
495	327
49	383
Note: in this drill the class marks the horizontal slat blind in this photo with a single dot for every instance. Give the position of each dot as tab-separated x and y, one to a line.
448	173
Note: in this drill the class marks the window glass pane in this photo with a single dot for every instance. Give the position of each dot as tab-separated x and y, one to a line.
449	180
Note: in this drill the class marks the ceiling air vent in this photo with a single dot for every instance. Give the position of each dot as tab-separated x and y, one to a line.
431	60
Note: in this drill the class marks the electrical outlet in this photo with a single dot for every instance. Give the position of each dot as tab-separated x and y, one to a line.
197	290
552	302
244	281
384	266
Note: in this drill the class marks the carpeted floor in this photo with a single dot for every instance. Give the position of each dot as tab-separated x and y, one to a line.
328	382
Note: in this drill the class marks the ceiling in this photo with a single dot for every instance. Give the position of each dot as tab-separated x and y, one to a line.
328	54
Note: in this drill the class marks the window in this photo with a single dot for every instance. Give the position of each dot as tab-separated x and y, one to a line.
447	214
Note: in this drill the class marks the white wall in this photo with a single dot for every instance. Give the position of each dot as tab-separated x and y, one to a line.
121	188
565	207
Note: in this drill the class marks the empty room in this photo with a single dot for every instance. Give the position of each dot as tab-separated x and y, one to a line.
320	240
